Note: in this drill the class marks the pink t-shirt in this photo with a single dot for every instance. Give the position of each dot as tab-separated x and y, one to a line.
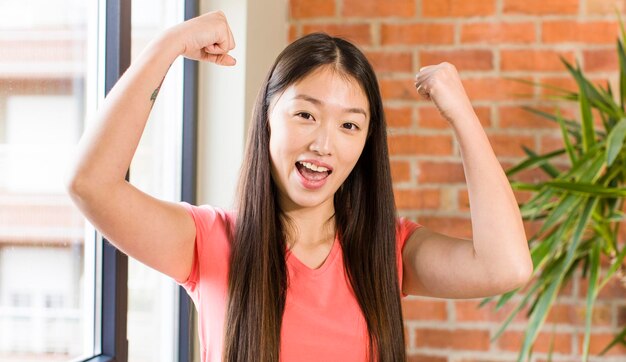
322	319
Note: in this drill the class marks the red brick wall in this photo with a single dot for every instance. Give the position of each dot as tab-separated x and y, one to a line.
488	40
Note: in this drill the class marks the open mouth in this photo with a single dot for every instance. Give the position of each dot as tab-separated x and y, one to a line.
312	172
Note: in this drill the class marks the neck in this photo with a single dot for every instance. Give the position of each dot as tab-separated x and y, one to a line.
311	226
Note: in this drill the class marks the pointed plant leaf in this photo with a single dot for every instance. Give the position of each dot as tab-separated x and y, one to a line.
615	141
592	293
533	160
620	338
539	84
568	144
567	203
588	131
515	311
546	300
544	164
588	189
622	62
615	265
573	126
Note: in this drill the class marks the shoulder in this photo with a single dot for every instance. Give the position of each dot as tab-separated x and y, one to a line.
209	217
404	229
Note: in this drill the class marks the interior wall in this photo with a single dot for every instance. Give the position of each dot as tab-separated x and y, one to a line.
227	94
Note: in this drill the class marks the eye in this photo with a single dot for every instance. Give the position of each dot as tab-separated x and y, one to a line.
305	115
350	126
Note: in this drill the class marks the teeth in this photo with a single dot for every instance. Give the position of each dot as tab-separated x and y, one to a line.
313	167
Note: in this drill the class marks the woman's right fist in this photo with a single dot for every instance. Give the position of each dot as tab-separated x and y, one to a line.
206	37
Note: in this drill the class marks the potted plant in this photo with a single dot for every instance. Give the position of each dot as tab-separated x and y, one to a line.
578	206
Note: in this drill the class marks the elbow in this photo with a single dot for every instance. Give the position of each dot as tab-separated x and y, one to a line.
78	187
521	275
74	184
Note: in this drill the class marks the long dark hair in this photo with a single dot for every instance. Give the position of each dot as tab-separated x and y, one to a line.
365	220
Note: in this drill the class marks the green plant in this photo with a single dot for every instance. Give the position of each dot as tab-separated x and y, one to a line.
579	205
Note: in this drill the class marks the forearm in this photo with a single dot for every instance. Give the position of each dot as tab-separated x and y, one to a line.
498	232
106	149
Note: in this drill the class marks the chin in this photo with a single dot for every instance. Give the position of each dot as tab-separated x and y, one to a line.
307	201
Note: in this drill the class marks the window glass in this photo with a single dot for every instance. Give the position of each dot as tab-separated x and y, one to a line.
152	297
46	263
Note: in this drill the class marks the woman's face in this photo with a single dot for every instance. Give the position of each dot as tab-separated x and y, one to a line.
318	128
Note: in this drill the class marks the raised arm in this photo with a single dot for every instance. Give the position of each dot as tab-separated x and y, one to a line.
497	258
160	234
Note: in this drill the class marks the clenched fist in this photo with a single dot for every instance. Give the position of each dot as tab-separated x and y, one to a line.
441	84
206	37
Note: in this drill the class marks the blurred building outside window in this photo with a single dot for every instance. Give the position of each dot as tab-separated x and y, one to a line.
50	65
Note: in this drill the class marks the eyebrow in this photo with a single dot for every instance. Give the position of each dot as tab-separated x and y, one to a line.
319	102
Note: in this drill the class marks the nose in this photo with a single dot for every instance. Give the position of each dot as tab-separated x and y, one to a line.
322	141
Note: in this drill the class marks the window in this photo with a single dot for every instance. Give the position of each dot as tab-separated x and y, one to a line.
63	289
45	298
156	168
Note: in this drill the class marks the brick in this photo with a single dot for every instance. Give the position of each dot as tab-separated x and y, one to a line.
601	316
568	314
417	199
561	314
452	226
532	227
588	32
534	60
417	34
357	33
424	310
621	315
299	9
567	290
600	60
377	8
512	341
403	89
440	172
549	143
398	117
612	290
292	35
604	7
429	117
387	61
458	8
463	200
463	60
598	342
493	88
510	145
420	145
468	311
459	339
518	117
566	83
520	195
400	171
498	33
540	7
533	175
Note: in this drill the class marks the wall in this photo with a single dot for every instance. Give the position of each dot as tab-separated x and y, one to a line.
226	94
488	41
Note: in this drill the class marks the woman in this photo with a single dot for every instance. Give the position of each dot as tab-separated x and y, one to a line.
313	263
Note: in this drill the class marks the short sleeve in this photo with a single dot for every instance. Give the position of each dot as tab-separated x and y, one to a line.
204	218
404	229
